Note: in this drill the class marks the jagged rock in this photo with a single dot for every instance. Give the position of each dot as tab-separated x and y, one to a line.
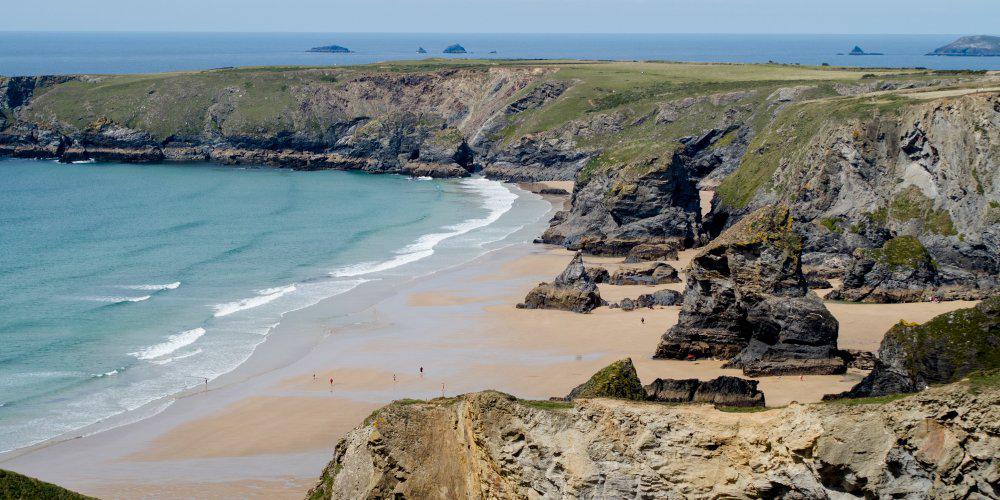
945	349
941	443
665	297
721	391
651	252
815	282
573	290
658	273
598	274
617	380
901	271
627	304
668	390
746	300
436	170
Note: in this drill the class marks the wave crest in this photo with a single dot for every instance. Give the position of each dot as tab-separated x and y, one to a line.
173	343
263	297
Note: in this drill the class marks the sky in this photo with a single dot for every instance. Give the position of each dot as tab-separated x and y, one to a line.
510	16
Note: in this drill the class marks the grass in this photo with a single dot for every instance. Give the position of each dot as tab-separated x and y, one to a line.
876	400
901	252
984	380
742	409
16	486
546	404
912	204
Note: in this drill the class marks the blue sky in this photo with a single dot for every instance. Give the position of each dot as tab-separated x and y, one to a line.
510	16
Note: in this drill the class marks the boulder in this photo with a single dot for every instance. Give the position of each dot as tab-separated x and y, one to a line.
858	359
944	349
747	301
617	380
668	390
573	290
664	297
658	273
598	274
721	391
651	252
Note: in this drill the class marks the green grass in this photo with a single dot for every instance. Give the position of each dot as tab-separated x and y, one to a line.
901	252
912	204
984	380
546	404
832	224
742	409
18	486
876	400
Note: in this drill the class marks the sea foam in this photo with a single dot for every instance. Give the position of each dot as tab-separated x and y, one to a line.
118	300
498	201
173	343
263	297
155	288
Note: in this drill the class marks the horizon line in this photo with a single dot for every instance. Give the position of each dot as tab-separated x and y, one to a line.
480	32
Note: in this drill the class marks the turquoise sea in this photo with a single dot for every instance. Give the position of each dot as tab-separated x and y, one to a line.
121	284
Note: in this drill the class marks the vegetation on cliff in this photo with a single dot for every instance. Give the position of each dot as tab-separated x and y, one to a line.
17	486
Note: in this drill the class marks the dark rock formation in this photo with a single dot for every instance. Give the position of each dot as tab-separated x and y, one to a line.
617	380
421	50
857	51
660	298
454	49
598	274
814	281
857	359
721	391
554	191
337	49
649	252
668	390
901	271
573	290
658	273
945	349
981	45
747	301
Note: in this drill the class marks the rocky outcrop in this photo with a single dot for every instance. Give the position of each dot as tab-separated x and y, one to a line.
652	252
721	391
747	301
598	274
655	273
945	349
980	46
573	290
648	300
617	380
859	180
941	443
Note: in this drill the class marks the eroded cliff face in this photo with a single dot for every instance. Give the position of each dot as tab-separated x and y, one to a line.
427	123
942	443
900	196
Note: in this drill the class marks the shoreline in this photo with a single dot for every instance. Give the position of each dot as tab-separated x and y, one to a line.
267	428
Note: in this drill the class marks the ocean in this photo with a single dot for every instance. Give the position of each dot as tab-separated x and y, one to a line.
38	53
122	284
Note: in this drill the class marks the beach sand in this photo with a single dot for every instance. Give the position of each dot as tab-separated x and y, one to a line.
267	430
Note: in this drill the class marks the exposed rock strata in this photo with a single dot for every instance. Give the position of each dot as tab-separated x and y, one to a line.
721	391
946	348
747	301
941	443
573	290
652	252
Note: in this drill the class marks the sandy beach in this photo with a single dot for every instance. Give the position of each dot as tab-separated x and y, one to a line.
267	429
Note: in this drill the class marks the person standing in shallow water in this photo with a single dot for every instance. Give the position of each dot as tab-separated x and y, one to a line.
421	372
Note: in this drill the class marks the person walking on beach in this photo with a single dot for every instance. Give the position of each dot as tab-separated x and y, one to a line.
421	372
206	383
642	320
331	384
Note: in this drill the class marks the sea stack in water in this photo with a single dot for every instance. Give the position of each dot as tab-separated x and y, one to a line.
454	49
857	51
747	301
573	290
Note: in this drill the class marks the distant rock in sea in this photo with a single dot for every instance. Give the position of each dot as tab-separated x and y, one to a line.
857	51
980	46
331	48
455	49
421	50
493	52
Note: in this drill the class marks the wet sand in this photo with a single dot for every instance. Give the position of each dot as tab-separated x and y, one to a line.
267	430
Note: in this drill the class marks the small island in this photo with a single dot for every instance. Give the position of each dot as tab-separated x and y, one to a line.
421	50
337	49
455	49
857	51
971	46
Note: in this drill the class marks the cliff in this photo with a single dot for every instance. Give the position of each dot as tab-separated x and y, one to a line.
942	443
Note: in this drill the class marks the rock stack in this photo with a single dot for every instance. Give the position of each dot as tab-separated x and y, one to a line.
747	301
573	290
